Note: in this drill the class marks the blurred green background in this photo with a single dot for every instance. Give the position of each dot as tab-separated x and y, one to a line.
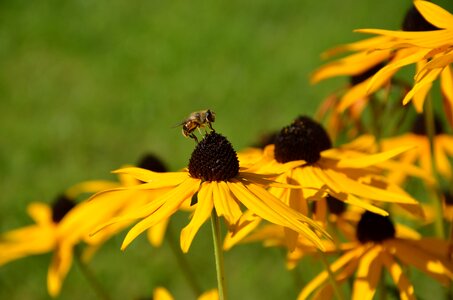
87	86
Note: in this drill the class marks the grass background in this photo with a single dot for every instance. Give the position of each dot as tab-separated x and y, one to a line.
87	86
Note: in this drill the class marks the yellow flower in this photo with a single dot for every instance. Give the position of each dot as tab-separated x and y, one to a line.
161	293
88	215
430	50
46	235
379	248
213	181
347	175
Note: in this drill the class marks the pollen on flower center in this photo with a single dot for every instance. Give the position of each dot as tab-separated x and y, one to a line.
304	139
214	159
374	228
60	207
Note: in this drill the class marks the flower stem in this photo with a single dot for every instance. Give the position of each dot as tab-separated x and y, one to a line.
182	261
218	253
332	280
89	276
436	201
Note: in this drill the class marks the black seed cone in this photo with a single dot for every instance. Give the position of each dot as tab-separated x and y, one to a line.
214	159
60	207
151	162
374	228
304	139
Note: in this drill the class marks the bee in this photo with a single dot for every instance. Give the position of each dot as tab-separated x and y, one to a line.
197	120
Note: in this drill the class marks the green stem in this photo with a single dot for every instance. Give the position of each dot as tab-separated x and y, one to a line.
436	201
182	261
332	280
218	253
90	277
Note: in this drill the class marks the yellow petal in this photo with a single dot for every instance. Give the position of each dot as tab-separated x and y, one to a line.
268	207
368	274
171	201
434	14
432	265
404	286
372	159
41	213
323	277
351	65
224	204
428	79
209	295
202	213
161	293
156	233
59	267
348	185
90	187
247	223
401	59
169	178
30	240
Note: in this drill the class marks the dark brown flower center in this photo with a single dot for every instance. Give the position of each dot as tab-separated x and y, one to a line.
419	125
214	159
374	228
304	139
60	207
414	21
448	198
151	162
335	206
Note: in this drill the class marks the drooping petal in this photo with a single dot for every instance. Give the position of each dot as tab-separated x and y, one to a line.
92	186
323	277
59	267
169	204
399	278
427	79
432	265
268	207
22	242
246	224
156	233
402	58
224	204
202	212
182	192
368	274
362	190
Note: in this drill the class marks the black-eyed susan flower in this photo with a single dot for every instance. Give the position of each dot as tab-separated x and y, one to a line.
213	180
379	247
385	54
90	214
46	235
350	176
429	49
